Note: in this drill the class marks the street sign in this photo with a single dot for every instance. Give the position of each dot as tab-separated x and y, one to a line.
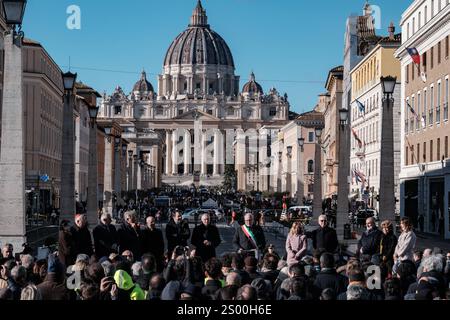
44	178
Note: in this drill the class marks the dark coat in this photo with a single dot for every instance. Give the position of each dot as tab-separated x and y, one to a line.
328	278
66	248
105	237
130	239
387	246
370	242
82	240
209	291
177	234
202	233
152	241
53	288
240	240
324	238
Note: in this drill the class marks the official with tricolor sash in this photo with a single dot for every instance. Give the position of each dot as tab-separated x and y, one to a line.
249	237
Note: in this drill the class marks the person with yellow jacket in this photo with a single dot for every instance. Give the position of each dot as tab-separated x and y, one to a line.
125	282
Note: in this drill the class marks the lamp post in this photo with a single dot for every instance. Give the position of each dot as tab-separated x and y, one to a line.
289	170
300	165
317	203
387	188
68	149
344	169
12	158
92	200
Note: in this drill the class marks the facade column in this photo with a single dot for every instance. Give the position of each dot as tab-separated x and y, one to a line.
168	165
187	152
117	170
108	176
241	159
197	146
12	160
156	161
135	171
204	155
139	176
217	152
175	152
263	159
92	203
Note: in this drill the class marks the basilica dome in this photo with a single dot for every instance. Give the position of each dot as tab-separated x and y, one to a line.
143	85
252	87
198	44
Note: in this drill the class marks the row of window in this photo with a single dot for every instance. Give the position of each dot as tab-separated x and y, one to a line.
51	108
51	140
413	153
417	21
369	72
50	167
367	134
370	104
430	106
428	59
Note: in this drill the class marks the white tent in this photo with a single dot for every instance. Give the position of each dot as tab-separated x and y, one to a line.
210	204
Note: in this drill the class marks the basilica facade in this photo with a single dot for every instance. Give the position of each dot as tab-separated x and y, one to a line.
192	123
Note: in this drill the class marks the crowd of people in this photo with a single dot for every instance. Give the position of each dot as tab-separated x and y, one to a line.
132	262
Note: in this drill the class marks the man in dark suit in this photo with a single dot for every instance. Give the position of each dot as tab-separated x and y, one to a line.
205	238
152	241
130	235
324	237
81	236
105	237
249	236
177	232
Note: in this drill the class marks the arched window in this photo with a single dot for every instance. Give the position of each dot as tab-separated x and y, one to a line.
310	166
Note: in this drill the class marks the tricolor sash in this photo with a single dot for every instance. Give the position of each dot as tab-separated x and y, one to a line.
249	234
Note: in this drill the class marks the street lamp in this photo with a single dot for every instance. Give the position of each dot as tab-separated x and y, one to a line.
388	84
93	112
14	11
69	80
301	142
289	151
318	132
343	116
387	187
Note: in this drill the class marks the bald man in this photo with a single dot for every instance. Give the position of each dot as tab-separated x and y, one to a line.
249	236
205	238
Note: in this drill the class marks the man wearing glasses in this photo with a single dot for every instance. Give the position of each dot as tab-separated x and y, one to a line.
249	237
325	237
369	244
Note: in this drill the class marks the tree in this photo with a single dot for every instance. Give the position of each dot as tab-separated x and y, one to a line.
229	181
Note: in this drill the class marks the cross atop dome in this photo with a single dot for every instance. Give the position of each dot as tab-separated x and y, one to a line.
199	18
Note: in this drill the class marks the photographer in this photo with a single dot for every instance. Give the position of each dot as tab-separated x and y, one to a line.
177	274
177	232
